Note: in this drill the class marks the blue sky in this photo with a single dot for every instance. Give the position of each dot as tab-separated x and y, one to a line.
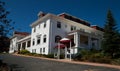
24	12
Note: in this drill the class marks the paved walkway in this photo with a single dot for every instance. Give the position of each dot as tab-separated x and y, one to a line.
75	62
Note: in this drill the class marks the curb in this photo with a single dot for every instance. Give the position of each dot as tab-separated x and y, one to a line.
74	62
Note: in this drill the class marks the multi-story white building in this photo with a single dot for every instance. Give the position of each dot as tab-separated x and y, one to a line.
49	28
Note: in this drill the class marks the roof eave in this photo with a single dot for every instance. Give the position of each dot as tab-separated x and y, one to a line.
39	20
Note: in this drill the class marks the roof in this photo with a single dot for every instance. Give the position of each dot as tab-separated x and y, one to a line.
21	33
97	27
25	38
73	18
80	22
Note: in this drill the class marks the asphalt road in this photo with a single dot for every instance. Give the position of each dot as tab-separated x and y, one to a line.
19	63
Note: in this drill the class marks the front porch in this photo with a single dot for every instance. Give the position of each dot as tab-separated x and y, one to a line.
80	40
24	43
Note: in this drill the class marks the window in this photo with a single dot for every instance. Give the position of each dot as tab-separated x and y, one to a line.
44	24
82	29
58	24
38	39
28	43
33	50
40	50
33	42
57	38
23	45
72	28
43	50
19	45
44	38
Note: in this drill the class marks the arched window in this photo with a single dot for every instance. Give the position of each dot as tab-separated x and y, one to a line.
44	38
57	38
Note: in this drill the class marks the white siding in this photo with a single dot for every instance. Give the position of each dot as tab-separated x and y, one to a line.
40	30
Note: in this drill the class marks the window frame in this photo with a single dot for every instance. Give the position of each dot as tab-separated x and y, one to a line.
44	39
57	38
33	42
44	50
58	24
39	39
44	25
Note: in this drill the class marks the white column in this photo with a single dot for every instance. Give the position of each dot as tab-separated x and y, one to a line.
58	54
77	41
17	47
21	46
65	52
26	44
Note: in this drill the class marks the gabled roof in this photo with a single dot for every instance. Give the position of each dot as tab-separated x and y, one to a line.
21	33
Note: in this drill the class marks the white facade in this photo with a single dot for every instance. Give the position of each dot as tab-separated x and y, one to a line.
13	42
47	28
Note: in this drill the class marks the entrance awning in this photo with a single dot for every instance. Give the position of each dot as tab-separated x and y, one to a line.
61	46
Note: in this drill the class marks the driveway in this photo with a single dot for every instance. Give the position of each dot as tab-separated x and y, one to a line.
20	63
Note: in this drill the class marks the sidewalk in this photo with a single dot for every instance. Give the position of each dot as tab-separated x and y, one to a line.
75	62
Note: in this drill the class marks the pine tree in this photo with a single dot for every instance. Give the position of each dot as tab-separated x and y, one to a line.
111	38
5	23
5	27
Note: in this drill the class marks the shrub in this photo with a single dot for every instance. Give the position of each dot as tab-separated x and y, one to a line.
49	56
92	56
24	52
116	61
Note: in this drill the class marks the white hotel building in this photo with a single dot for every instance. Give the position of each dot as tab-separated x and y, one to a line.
48	28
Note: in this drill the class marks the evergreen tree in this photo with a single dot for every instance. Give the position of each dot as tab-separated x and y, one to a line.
111	38
5	27
5	23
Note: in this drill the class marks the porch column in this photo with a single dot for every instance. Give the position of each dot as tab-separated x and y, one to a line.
17	47
76	42
26	44
77	39
65	52
21	46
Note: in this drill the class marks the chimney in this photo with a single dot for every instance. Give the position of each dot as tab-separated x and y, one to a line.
41	14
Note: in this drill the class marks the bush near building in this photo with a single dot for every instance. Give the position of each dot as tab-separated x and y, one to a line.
95	56
24	52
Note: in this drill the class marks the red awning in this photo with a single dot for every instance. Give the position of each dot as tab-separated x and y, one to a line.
60	45
65	40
